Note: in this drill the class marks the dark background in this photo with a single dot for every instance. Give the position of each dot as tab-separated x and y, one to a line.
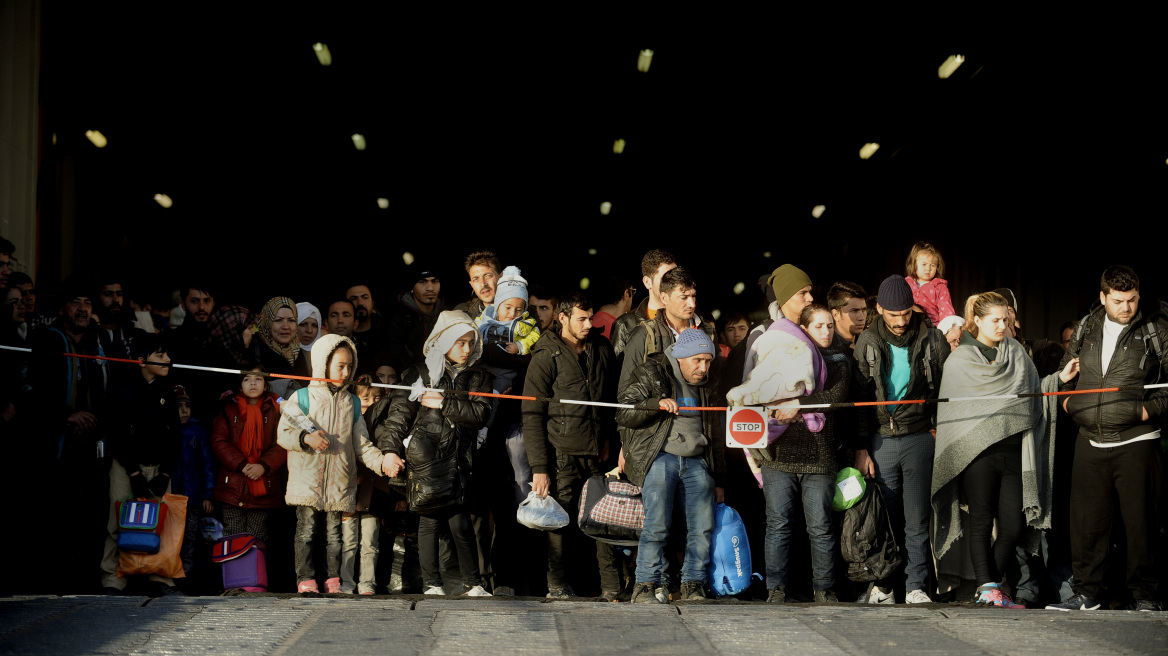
1041	161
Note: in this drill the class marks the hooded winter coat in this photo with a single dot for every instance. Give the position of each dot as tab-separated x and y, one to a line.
437	432
326	481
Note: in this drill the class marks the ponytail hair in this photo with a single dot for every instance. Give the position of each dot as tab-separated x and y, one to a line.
979	305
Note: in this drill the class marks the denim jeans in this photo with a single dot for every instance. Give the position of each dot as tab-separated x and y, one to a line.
310	523
675	480
360	534
904	470
782	490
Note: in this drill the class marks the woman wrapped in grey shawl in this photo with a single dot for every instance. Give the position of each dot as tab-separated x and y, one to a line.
967	427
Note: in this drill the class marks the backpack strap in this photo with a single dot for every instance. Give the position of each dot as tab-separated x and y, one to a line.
356	408
302	400
1077	338
928	359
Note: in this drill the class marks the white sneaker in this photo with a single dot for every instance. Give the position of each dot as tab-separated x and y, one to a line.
477	591
917	597
435	590
662	594
878	596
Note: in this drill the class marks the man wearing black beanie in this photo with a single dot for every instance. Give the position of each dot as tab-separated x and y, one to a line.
900	358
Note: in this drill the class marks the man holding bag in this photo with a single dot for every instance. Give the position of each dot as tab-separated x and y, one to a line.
567	443
673	454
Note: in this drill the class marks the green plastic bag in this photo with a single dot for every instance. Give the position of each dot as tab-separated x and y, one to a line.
849	489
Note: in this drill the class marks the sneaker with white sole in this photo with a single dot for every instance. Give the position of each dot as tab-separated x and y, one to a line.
477	591
434	590
1077	602
991	594
917	597
880	595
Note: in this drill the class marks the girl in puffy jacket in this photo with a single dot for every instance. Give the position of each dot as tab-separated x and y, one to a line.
431	436
322	429
252	476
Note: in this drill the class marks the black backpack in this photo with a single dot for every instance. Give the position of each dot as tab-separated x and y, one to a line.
867	541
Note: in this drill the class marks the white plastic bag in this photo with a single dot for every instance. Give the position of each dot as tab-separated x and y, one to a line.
541	513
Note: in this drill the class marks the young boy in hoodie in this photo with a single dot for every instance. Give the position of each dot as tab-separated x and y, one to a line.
322	429
144	441
195	477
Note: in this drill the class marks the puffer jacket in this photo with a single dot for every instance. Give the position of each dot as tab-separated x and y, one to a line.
231	486
1116	417
326	481
873	356
577	430
647	431
436	431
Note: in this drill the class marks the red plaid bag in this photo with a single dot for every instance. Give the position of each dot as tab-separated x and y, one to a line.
611	510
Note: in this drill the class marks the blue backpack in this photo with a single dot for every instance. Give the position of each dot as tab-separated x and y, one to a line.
302	401
730	567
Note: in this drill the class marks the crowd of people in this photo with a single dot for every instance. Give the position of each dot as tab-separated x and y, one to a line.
352	424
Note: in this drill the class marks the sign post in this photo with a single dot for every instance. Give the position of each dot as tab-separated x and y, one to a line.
746	427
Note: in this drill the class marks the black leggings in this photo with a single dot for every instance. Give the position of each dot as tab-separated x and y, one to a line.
462	533
993	486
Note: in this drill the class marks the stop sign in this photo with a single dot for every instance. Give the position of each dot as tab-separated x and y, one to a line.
746	427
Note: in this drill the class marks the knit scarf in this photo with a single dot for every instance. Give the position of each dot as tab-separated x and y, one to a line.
267	316
251	440
899	341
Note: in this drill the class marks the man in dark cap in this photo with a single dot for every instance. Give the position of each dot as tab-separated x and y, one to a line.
413	318
900	456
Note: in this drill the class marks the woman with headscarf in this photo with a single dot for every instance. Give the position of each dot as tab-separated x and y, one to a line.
993	454
229	329
278	346
308	330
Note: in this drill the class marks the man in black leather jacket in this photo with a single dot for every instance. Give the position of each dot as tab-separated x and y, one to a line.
673	455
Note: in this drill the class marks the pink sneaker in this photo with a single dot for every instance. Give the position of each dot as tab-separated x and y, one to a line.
307	586
991	595
333	585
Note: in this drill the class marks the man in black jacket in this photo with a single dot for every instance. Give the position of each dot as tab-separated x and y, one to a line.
654	266
679	294
901	358
1119	344
68	400
566	442
674	454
